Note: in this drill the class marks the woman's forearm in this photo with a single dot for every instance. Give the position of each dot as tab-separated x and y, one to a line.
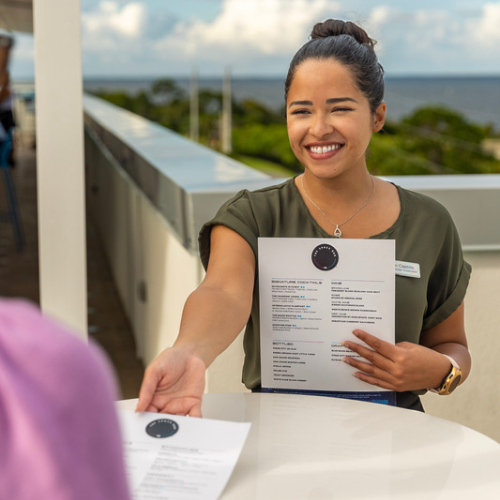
212	319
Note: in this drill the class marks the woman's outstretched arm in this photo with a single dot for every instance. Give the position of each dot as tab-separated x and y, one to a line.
213	316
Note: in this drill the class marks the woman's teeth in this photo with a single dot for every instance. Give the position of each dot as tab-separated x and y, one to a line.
325	149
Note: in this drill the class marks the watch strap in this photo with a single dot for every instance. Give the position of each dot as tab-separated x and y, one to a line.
452	361
454	373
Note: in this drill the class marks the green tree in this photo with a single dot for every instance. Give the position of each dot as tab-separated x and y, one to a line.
166	90
444	137
432	140
250	112
269	142
120	99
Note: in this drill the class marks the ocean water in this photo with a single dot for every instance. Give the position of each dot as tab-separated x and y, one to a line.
477	98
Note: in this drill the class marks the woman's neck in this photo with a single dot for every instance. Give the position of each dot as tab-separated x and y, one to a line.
338	196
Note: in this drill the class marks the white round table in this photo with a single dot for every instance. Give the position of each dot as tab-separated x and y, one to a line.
319	448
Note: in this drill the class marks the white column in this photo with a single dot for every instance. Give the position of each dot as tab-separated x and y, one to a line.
226	139
194	107
60	166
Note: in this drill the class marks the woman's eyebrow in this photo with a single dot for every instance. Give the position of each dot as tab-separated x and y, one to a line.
300	103
333	100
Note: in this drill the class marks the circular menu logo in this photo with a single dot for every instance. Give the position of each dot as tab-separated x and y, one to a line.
325	257
162	428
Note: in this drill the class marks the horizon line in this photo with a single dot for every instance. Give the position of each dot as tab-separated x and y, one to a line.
25	78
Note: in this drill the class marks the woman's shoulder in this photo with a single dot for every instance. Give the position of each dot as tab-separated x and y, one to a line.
422	205
263	199
274	191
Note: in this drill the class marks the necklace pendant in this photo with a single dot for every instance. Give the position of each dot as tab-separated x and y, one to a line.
337	233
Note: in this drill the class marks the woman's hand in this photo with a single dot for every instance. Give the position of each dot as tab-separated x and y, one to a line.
173	383
401	367
409	367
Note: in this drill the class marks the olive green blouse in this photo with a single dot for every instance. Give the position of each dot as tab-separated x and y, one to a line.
424	233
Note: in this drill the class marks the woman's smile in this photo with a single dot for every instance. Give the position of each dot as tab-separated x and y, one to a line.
323	151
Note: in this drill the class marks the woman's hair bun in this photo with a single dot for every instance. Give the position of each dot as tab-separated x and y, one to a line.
336	27
348	44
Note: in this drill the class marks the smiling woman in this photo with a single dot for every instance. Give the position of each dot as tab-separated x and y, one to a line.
334	101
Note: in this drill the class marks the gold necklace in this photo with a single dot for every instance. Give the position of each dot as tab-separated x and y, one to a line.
338	233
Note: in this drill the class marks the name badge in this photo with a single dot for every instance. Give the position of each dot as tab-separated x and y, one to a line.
408	269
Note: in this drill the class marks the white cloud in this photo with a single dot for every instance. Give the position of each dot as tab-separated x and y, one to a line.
118	37
486	31
467	42
261	36
436	39
432	30
147	37
127	20
249	28
381	14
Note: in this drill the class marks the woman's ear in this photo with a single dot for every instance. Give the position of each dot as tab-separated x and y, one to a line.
379	117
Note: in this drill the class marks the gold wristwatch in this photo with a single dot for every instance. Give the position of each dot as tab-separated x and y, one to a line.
451	380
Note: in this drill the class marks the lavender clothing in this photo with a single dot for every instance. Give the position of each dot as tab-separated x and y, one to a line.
59	433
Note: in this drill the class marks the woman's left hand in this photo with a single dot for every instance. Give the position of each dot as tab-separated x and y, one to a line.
400	367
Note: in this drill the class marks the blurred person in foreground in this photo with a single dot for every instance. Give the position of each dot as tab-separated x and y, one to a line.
334	95
59	432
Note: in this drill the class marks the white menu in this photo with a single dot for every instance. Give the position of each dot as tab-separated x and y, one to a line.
179	458
313	294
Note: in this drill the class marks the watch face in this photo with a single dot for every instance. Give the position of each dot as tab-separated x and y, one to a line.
454	383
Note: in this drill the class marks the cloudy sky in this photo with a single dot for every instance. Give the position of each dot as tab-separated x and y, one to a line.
259	37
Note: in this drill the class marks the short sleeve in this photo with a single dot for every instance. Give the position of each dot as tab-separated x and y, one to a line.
449	278
236	214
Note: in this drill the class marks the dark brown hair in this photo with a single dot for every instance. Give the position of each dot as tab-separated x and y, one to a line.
350	45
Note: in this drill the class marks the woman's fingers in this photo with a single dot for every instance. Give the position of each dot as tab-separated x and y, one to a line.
378	382
379	352
384	348
375	361
371	373
147	391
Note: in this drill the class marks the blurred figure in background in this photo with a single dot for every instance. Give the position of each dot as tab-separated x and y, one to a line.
6	94
6	113
59	432
6	43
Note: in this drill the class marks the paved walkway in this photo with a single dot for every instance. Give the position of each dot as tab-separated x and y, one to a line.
19	276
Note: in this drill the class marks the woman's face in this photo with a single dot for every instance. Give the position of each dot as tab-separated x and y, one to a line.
329	119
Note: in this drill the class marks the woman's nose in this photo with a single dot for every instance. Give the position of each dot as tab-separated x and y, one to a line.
321	125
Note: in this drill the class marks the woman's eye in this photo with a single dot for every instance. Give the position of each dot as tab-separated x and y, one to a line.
300	112
341	110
